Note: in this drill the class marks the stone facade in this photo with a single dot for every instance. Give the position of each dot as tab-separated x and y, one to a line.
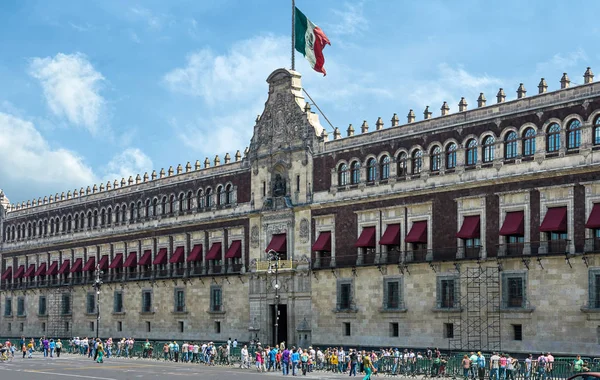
382	238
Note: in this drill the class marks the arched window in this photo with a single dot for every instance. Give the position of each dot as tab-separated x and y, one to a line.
81	221
553	138
181	198
69	223
401	169
471	152
124	213
19	232
385	167
208	197
172	204
45	229
417	161
189	201
597	131
103	218
436	159
89	220
109	216
163	206
40	228
371	170
13	233
574	134
200	199
29	230
7	234
510	145
56	227
117	214
342	175
139	210
95	218
355	173
451	156
76	222
147	208
529	142
228	194
220	196
488	149
64	223
154	207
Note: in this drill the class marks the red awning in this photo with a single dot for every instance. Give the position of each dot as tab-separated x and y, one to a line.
30	272
593	221
391	236
52	269
41	271
514	224
235	250
131	260
418	233
178	256
161	258
215	252
90	264
323	242
196	254
146	258
278	243
117	262
555	220
65	266
470	228
7	273
366	238
77	265
103	263
20	271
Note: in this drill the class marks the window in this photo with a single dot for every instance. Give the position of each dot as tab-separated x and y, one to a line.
401	165
529	142
385	167
216	301
43	326
355	173
597	131
90	303
510	145
297	183
371	170
65	308
417	161
199	199
517	332
147	301
9	328
163	206
21	307
181	326
488	149
449	330
451	156
119	326
147	208
436	159
172	204
148	326
574	134
188	204
95	220
118	302
394	330
139	210
217	327
179	300
513	290
594	289
103	218
132	212
553	138
342	175
471	152
392	296
42	305
229	191
208	197
220	196
344	295
154	207
117	214
347	329
448	289
91	325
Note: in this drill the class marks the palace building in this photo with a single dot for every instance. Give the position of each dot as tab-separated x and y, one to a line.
473	230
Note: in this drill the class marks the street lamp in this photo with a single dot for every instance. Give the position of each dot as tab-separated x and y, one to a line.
97	285
273	257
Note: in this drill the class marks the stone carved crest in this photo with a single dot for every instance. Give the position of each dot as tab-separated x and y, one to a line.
254	237
304	231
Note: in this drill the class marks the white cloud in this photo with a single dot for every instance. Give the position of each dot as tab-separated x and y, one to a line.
72	88
350	20
561	62
147	16
130	162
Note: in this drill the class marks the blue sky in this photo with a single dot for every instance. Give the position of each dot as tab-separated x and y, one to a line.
92	91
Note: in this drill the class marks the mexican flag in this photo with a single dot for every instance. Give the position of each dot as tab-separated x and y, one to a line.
310	41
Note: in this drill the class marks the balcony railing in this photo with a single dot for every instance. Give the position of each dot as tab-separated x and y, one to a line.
263	265
592	245
549	247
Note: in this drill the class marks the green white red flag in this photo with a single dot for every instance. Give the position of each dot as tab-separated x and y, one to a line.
310	41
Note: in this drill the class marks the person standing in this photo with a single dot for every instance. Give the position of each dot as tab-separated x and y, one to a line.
528	364
285	360
480	365
578	364
259	360
367	365
304	360
100	351
466	365
541	366
244	356
353	362
494	367
59	347
473	359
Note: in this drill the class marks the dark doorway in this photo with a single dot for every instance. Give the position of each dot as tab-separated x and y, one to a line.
279	333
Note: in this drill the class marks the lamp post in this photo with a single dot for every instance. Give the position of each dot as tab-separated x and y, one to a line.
273	257
97	285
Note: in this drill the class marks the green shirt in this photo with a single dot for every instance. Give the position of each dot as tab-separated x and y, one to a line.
578	365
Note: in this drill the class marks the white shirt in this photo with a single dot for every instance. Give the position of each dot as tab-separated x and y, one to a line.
234	343
244	352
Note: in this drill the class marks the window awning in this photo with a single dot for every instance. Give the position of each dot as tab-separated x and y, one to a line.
178	255
278	243
90	264
555	220
470	228
323	242
161	258
103	263
146	258
131	260
215	252
7	273
418	233
41	271
366	238
30	272
64	267
594	219
20	271
196	254
235	250
391	236
117	261
52	269
77	265
514	224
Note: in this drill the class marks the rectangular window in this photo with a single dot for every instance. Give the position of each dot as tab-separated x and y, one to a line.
347	329
217	327
21	306
297	183
65	308
448	330
181	326
147	301
514	290
67	326
21	327
448	289
8	307
216	302
392	294
344	294
179	300
42	305
394	330
43	326
119	326
148	326
90	307
118	302
517	332
264	189
91	326
9	328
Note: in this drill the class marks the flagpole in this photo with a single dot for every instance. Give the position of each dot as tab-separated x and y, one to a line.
293	32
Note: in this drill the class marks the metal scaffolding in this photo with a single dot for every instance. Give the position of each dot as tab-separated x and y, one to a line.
59	312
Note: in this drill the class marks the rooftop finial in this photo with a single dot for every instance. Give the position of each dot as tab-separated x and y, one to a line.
379	124
481	100
307	107
217	160
227	158
565	82
543	86
161	174
350	130
364	128
108	187
153	175
501	96
462	105
179	169
410	118
521	91
588	77
146	177
445	109
188	167
101	187
206	163
138	179
427	113
337	134
170	172
324	135
395	120
238	156
130	181
115	184
197	165
123	182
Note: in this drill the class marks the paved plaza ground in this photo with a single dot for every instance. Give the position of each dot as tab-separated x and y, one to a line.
77	367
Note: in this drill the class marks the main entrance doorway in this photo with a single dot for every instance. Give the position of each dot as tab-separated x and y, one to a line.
279	333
